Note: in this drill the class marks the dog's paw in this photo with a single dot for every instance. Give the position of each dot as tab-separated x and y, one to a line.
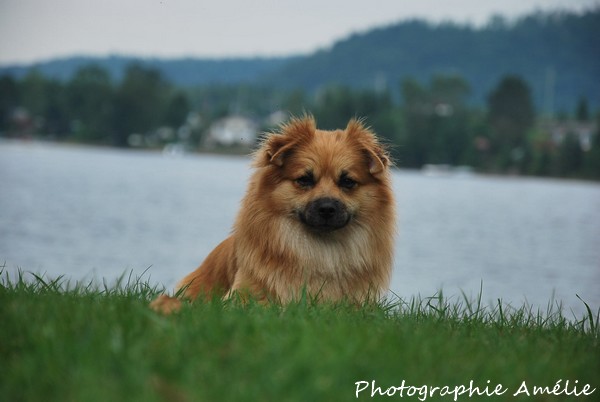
166	304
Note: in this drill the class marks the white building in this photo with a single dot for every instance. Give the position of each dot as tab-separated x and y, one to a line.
583	131
232	131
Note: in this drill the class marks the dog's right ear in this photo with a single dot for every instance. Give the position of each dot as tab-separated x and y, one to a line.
277	146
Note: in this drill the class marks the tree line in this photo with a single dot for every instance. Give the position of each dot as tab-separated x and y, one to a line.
429	123
555	52
90	107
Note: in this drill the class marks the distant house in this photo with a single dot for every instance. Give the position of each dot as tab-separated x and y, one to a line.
583	131
276	118
232	131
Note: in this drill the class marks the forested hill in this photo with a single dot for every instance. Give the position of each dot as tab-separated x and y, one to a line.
557	54
183	72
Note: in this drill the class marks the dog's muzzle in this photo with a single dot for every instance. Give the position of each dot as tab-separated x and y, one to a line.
325	214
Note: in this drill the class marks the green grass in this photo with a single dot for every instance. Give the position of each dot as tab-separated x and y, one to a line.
76	342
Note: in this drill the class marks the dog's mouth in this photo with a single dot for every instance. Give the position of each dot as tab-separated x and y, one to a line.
325	215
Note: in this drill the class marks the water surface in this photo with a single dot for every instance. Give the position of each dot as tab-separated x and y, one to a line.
92	213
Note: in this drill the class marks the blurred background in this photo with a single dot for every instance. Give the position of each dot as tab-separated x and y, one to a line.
491	110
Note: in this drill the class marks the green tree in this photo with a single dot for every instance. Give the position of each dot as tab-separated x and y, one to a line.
296	102
338	104
592	157
334	106
91	100
544	162
570	156
55	122
437	122
582	112
450	119
449	90
140	102
9	101
510	116
417	141
33	93
177	110
44	99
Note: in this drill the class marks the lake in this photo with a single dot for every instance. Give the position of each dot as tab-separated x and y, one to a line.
94	213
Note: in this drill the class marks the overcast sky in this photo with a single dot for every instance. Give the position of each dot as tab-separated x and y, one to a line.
34	30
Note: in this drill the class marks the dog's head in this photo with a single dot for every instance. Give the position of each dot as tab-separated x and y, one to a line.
327	180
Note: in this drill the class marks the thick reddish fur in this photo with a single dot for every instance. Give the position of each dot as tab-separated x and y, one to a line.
272	256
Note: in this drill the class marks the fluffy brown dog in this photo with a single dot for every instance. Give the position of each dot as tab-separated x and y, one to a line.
318	217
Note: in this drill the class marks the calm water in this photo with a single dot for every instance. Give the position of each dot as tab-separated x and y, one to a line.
90	213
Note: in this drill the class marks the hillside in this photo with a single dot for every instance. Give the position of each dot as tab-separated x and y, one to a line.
182	72
555	53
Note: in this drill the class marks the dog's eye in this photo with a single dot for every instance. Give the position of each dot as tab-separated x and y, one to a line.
307	180
347	183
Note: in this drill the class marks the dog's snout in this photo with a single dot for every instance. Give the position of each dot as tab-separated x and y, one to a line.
327	208
325	214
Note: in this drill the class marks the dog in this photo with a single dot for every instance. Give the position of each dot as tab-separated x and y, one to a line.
318	219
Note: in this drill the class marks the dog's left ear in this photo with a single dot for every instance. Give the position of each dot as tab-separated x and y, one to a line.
277	145
377	157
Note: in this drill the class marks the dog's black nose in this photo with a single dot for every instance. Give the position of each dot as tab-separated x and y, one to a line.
327	208
325	214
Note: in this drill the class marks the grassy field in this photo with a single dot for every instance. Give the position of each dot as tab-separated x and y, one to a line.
61	342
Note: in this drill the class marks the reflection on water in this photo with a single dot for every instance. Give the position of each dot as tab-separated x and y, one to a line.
96	213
